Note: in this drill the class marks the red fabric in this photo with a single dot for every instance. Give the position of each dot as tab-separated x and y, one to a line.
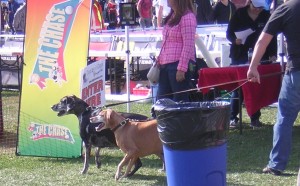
256	96
97	21
215	76
99	46
112	8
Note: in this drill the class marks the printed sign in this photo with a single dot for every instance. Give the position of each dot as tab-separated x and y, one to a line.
56	49
93	83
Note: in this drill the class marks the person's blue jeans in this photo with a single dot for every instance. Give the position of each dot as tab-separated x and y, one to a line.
145	22
288	108
168	86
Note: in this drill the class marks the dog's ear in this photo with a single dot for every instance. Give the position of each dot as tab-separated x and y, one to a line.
102	113
106	114
109	113
71	100
73	96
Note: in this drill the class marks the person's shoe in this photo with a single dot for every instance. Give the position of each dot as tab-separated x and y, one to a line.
268	170
256	124
233	123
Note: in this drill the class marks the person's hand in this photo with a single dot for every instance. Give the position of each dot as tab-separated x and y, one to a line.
238	41
180	76
253	75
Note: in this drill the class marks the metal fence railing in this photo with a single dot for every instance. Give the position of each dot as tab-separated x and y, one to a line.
10	83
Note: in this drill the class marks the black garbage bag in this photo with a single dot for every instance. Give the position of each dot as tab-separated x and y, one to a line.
192	125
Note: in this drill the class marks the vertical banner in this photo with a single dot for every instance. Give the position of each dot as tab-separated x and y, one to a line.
55	52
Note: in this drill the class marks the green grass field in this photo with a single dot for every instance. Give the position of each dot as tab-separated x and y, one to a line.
247	154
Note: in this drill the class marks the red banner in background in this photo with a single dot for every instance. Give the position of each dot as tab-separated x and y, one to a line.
97	20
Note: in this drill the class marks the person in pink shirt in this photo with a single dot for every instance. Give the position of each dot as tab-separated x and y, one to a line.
178	50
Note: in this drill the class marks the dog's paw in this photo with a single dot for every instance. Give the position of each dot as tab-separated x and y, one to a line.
84	171
117	176
162	170
98	164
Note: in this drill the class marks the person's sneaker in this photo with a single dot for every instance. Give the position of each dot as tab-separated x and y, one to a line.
256	124
233	123
268	170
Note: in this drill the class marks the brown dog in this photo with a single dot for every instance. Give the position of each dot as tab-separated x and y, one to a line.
90	137
134	138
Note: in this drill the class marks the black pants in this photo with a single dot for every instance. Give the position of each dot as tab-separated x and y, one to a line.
235	104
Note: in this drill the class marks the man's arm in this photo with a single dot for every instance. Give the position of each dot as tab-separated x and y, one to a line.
259	50
160	16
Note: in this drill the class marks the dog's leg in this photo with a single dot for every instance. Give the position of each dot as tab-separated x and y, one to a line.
138	164
120	166
161	156
86	158
97	157
129	166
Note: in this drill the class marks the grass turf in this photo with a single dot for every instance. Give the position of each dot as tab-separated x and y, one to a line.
247	154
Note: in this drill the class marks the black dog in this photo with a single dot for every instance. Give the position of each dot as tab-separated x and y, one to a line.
89	135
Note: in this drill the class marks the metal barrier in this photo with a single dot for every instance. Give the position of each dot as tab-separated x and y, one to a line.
10	80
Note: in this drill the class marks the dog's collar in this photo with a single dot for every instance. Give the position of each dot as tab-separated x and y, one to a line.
89	108
125	121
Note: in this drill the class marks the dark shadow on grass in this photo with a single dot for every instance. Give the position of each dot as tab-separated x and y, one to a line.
234	184
64	160
113	161
105	159
288	174
259	171
160	180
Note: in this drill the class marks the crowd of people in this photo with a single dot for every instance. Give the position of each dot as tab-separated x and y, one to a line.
148	13
152	13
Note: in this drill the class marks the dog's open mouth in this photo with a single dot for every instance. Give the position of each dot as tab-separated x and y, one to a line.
61	113
99	127
59	110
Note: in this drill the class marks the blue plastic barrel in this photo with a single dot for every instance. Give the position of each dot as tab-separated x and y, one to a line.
194	141
202	167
